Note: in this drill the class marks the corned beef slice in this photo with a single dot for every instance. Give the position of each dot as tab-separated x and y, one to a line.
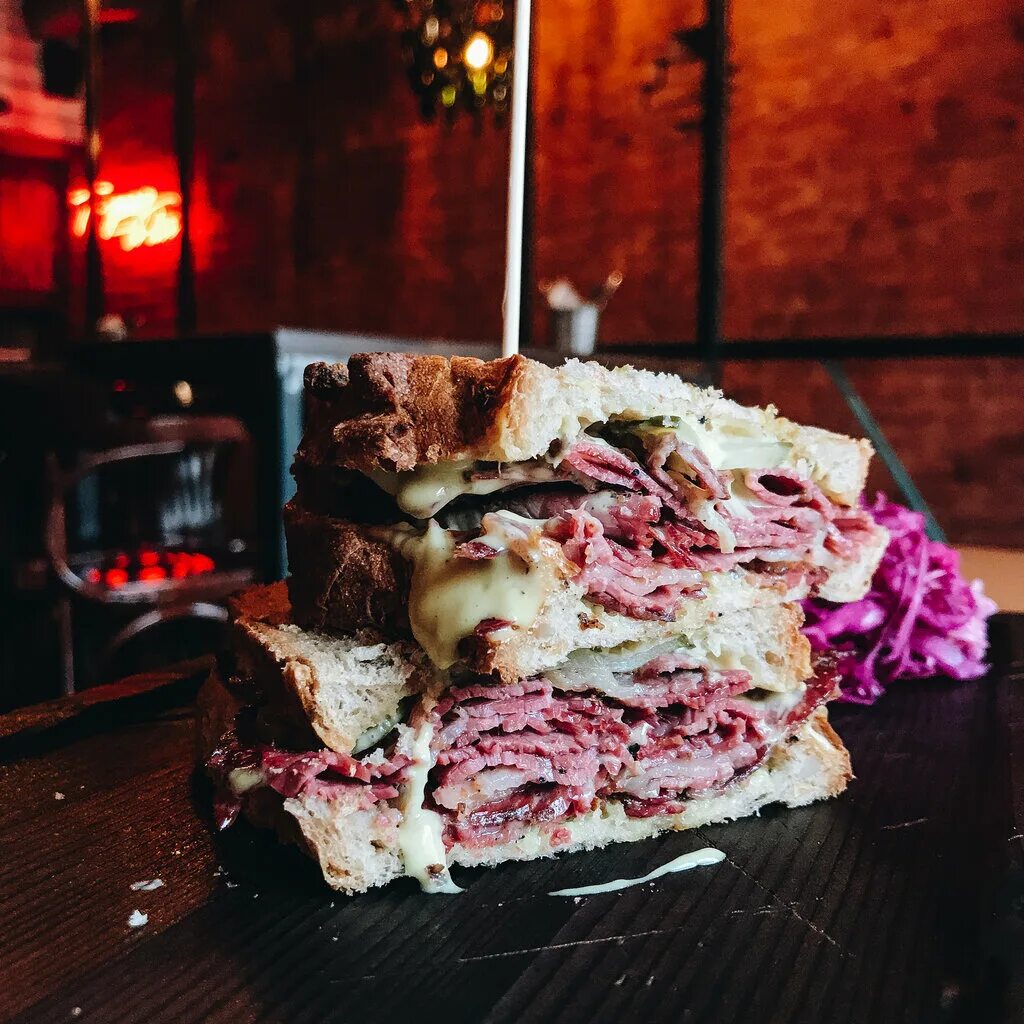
508	757
322	773
625	579
598	460
791	514
700	470
641	551
512	756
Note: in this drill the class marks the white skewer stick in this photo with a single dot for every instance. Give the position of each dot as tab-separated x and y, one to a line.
516	180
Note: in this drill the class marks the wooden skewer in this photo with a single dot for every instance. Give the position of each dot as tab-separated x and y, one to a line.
516	180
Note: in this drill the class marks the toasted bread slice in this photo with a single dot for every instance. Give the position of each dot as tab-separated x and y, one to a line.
358	847
342	686
395	411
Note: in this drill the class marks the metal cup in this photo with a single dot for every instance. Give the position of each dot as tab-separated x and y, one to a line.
574	331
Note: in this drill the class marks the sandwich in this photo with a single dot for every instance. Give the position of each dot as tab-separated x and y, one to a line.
505	514
361	752
533	610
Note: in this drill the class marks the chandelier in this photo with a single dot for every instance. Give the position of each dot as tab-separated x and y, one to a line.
458	54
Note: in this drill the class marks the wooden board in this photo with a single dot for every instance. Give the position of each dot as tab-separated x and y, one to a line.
900	901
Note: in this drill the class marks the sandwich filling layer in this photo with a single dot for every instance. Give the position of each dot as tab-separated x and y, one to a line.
482	764
636	516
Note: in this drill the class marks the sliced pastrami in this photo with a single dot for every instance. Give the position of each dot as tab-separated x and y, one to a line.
322	773
508	757
696	467
600	461
624	579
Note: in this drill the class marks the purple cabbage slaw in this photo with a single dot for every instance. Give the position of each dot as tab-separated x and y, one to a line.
921	618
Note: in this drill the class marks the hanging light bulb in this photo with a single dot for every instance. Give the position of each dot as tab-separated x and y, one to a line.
479	51
458	54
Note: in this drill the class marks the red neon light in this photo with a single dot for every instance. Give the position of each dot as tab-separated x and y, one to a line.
93	576
141	217
152	573
149	558
121	561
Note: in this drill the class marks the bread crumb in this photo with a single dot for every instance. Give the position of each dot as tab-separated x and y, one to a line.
369	653
146	885
58	795
137	919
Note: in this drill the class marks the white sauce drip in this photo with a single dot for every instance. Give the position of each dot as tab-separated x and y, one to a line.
419	834
697	859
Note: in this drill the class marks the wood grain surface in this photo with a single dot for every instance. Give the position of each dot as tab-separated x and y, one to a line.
901	901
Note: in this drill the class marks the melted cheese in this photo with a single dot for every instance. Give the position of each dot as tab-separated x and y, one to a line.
449	597
724	449
422	492
241	780
731	452
705	513
425	490
697	859
419	834
774	703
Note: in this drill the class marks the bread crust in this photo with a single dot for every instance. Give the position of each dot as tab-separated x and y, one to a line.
343	577
393	411
356	848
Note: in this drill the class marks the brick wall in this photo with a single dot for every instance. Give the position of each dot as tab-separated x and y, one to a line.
875	160
874	186
955	426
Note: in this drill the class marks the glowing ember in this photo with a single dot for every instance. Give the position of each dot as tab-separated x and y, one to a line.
115	578
149	566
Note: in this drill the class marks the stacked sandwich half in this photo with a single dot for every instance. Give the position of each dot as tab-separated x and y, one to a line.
534	610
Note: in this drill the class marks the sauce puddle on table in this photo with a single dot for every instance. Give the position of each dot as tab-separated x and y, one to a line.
697	859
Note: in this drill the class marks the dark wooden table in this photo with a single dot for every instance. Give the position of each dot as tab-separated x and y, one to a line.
901	901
